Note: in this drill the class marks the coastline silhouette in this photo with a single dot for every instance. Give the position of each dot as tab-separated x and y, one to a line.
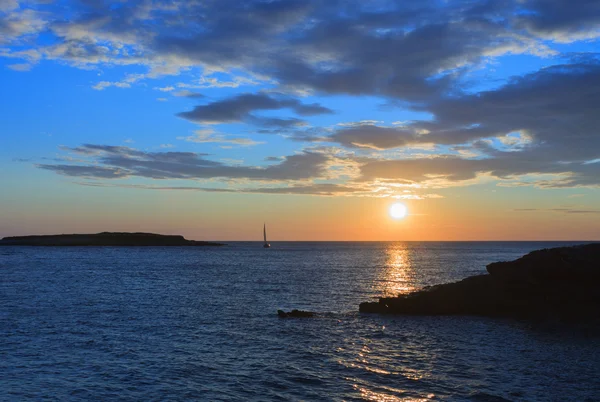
125	239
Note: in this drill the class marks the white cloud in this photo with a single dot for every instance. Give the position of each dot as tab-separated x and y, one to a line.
20	67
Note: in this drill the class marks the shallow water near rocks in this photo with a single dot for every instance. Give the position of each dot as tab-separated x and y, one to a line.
159	323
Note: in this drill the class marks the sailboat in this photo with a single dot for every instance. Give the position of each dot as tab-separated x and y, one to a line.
266	245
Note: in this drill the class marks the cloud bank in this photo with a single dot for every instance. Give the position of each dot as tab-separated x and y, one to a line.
538	128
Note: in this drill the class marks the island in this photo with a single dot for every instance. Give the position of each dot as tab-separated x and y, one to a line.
105	239
561	283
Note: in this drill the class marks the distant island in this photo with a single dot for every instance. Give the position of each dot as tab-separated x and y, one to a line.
562	282
105	239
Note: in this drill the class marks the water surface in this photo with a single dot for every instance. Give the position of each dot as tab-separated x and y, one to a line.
152	323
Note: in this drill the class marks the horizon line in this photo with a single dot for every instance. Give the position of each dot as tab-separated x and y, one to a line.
407	241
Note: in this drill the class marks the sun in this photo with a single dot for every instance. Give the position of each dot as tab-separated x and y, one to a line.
398	210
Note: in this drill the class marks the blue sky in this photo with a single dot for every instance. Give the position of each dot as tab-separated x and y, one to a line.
382	99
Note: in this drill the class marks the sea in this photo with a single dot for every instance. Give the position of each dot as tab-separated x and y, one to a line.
200	323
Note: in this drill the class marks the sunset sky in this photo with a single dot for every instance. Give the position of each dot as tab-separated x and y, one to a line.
208	118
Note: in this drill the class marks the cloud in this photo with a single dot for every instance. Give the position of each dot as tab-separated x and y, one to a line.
125	83
537	129
276	123
312	134
301	173
553	106
561	210
404	50
16	23
371	136
96	172
206	81
418	196
541	123
320	189
240	107
453	170
188	94
559	20
209	135
316	189
20	67
274	158
118	162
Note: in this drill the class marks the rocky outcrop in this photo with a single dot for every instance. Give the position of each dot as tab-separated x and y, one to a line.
547	266
104	239
561	282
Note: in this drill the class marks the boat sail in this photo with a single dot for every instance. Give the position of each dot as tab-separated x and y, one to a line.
266	245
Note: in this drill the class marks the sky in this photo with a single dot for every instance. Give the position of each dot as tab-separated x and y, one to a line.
209	118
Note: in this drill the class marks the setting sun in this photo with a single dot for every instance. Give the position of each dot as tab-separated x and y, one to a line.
398	210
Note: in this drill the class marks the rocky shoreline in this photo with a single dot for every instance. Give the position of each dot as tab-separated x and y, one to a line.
105	239
560	282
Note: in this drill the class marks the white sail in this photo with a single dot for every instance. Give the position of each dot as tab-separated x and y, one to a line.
266	245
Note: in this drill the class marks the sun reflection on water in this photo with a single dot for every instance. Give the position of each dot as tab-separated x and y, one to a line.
398	275
374	396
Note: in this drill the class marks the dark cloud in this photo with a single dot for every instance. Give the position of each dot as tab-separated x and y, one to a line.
96	172
371	136
400	64
562	20
406	50
541	123
402	50
398	49
303	136
240	108
117	162
276	123
555	107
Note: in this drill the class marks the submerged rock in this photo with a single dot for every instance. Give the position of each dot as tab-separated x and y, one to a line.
295	314
561	282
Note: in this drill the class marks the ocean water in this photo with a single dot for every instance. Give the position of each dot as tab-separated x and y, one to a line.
135	323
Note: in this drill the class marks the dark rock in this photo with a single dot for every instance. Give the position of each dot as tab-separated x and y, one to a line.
572	264
104	239
560	282
295	314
